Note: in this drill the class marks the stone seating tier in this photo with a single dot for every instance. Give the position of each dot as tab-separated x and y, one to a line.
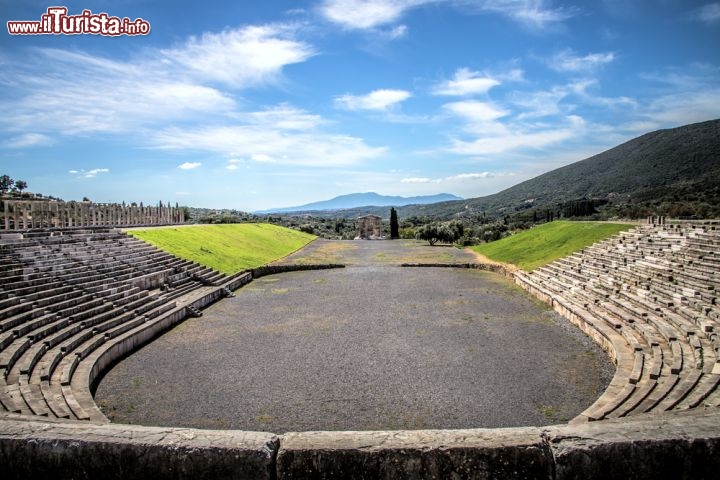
64	296
655	287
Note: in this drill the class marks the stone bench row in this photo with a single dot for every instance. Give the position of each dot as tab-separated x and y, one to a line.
53	350
649	375
67	301
661	325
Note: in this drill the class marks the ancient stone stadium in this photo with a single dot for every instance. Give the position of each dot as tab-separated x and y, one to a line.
78	294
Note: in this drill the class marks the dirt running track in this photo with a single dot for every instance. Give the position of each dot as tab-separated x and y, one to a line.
371	346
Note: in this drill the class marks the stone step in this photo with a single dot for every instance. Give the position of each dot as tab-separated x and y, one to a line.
16	309
21	319
7	401
664	385
77	410
55	401
629	406
34	399
708	383
685	385
15	399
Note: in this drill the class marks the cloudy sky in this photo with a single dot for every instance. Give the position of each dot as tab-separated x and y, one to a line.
253	105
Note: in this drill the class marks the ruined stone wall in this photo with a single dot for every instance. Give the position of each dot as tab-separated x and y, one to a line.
369	226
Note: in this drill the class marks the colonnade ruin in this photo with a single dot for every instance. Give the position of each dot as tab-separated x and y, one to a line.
41	213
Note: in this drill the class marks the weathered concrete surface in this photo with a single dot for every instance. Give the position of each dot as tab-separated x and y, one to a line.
672	445
678	445
508	453
30	449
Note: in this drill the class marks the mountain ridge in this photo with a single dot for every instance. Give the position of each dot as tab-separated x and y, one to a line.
364	199
647	169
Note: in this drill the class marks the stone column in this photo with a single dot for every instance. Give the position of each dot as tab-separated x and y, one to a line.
26	216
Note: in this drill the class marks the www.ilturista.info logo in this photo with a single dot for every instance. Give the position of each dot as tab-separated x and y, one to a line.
57	22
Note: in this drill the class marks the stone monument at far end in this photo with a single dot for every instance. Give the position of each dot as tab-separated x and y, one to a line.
370	228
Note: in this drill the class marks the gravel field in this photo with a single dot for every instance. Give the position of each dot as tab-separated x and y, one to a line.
371	346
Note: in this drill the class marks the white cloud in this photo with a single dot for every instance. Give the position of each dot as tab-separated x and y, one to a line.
284	117
418	180
709	13
532	13
564	99
566	61
684	107
261	158
456	178
466	82
369	14
82	173
189	165
181	98
286	148
519	137
475	111
399	31
233	164
28	140
366	14
472	176
378	100
92	94
539	104
241	57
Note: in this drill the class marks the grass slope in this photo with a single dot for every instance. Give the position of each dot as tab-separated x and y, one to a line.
541	245
227	248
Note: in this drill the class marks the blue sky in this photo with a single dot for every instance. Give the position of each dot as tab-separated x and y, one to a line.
254	105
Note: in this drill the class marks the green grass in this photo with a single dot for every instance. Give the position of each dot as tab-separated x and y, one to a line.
226	248
541	245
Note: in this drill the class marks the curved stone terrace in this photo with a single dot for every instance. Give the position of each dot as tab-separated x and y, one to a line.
73	302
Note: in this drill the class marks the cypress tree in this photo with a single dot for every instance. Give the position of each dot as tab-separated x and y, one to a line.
394	227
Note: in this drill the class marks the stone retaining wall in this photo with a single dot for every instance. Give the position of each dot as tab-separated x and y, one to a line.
274	269
674	446
488	267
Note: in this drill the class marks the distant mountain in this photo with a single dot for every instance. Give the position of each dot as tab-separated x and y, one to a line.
369	199
673	165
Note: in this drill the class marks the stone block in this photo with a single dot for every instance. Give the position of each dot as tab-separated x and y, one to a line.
671	446
510	453
85	451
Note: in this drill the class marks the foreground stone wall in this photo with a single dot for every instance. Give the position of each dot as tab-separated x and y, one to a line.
680	445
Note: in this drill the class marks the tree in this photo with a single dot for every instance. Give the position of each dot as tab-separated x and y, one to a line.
446	232
6	183
427	232
394	226
20	185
